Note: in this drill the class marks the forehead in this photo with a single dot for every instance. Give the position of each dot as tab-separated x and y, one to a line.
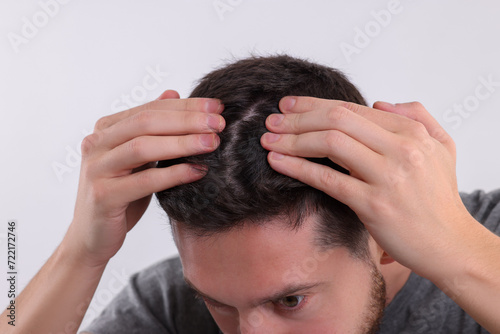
252	245
256	258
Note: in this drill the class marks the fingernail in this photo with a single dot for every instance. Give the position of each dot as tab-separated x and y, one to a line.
212	105
288	102
276	156
271	137
215	122
208	140
276	119
199	169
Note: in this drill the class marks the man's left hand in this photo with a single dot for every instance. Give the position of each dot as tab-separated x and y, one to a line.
401	163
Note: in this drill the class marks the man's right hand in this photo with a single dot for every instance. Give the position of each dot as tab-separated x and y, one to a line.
118	177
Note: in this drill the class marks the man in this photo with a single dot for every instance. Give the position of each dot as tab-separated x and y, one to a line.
254	189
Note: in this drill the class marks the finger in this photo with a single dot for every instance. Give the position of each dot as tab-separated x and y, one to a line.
339	118
304	104
159	123
417	112
144	149
335	145
138	185
301	104
340	186
192	104
169	94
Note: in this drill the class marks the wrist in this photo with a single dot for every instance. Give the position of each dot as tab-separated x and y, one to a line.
72	252
466	259
473	277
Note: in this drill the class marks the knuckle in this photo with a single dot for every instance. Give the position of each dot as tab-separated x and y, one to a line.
331	115
291	142
102	123
136	146
308	102
442	136
411	154
151	105
418	130
327	177
143	178
406	148
379	206
417	105
144	119
334	139
350	106
451	144
89	143
429	144
337	114
195	103
295	121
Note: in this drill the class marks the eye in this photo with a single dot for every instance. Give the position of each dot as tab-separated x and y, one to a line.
291	302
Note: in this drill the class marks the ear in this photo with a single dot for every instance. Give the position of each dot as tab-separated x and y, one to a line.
386	258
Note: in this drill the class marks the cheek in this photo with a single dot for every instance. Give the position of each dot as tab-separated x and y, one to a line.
345	314
342	312
346	306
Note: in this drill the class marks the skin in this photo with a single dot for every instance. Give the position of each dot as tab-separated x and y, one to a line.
115	187
249	265
402	185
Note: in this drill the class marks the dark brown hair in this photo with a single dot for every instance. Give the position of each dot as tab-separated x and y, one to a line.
240	186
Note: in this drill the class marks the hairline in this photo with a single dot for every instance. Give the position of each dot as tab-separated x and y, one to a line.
321	245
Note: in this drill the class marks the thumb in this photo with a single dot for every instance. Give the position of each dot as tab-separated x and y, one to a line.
169	94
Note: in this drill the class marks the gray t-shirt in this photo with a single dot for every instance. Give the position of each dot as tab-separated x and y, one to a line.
158	301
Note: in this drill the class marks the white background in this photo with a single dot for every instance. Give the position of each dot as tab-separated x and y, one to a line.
78	64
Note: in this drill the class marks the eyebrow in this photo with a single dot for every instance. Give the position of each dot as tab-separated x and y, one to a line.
289	290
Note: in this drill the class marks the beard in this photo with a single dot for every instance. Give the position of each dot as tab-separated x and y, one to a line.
373	315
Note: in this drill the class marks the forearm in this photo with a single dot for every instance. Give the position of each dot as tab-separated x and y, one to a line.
57	298
472	277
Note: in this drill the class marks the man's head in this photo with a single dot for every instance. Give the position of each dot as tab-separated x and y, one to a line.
246	232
